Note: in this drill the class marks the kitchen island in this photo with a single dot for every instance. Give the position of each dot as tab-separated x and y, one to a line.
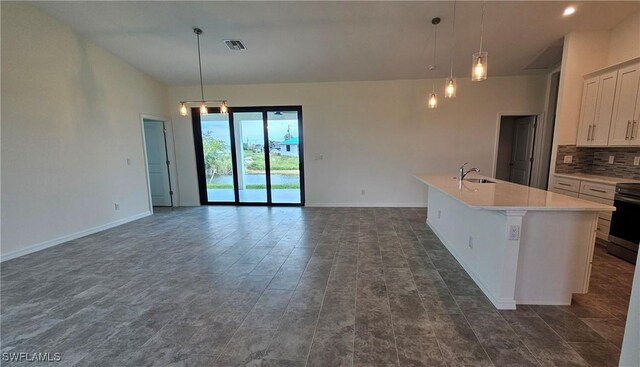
521	245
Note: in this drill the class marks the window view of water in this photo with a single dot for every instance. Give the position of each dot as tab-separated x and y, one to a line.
258	179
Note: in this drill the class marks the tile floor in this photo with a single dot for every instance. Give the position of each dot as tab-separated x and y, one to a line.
226	286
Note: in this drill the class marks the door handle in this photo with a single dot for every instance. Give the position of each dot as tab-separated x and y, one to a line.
626	133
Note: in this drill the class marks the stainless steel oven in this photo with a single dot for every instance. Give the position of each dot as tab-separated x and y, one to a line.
625	223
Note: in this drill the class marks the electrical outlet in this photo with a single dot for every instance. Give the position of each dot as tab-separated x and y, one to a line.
439	214
470	242
611	158
116	206
514	232
636	161
568	158
362	192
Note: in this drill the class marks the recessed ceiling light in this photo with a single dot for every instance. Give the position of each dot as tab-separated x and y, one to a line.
568	11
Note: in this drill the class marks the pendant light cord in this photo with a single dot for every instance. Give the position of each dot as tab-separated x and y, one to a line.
482	26
435	44
453	47
200	67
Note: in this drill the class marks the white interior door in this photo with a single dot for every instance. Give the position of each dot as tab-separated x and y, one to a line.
154	137
522	150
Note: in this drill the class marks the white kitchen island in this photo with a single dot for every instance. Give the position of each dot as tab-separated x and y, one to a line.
521	245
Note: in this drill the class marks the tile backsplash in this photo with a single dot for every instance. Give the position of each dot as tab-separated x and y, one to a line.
595	161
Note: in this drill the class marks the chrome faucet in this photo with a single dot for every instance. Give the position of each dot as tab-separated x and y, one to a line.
463	174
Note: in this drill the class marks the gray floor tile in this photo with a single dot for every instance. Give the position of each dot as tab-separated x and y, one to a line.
290	287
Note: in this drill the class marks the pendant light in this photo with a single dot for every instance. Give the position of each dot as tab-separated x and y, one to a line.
450	83
433	97
479	64
204	108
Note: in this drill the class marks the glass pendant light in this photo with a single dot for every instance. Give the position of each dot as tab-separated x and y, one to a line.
479	63
450	88
433	99
203	109
183	109
450	85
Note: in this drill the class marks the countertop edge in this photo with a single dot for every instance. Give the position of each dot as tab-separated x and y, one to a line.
516	208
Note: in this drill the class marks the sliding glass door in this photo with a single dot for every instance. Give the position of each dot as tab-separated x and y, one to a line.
252	156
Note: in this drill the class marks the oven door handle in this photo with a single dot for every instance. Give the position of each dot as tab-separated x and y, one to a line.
627	199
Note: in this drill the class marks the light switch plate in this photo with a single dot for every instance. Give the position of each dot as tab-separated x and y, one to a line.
611	158
568	158
636	161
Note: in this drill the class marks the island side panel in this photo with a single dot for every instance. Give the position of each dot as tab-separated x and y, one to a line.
556	250
478	240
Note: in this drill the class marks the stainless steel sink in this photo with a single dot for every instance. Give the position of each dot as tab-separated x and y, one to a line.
479	180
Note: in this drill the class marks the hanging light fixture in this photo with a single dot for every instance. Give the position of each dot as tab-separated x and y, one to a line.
433	97
204	108
479	64
450	83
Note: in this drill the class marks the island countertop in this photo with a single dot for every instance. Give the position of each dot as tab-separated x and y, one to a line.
503	195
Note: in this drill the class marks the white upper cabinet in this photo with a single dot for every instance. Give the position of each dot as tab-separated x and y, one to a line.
624	126
610	110
588	110
597	106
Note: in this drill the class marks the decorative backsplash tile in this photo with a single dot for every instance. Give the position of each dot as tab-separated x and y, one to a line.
595	161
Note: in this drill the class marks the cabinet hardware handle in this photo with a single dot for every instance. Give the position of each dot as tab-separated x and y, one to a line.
593	132
634	131
626	133
596	190
564	184
589	133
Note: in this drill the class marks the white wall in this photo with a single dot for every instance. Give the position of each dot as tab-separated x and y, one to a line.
625	40
70	119
375	135
630	354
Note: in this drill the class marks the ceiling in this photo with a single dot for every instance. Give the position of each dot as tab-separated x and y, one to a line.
312	41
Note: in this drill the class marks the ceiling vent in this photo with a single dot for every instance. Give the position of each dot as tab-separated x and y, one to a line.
235	45
548	58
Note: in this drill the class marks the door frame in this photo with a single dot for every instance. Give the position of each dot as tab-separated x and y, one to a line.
536	136
197	138
170	151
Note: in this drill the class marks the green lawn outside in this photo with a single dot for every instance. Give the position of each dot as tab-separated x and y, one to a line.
278	162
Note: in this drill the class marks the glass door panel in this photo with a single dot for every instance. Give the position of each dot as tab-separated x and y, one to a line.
250	155
284	156
218	162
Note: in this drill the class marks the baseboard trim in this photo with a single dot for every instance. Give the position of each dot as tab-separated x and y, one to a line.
50	243
366	205
500	303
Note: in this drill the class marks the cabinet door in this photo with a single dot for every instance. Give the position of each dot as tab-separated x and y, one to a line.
604	108
624	107
635	136
588	110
